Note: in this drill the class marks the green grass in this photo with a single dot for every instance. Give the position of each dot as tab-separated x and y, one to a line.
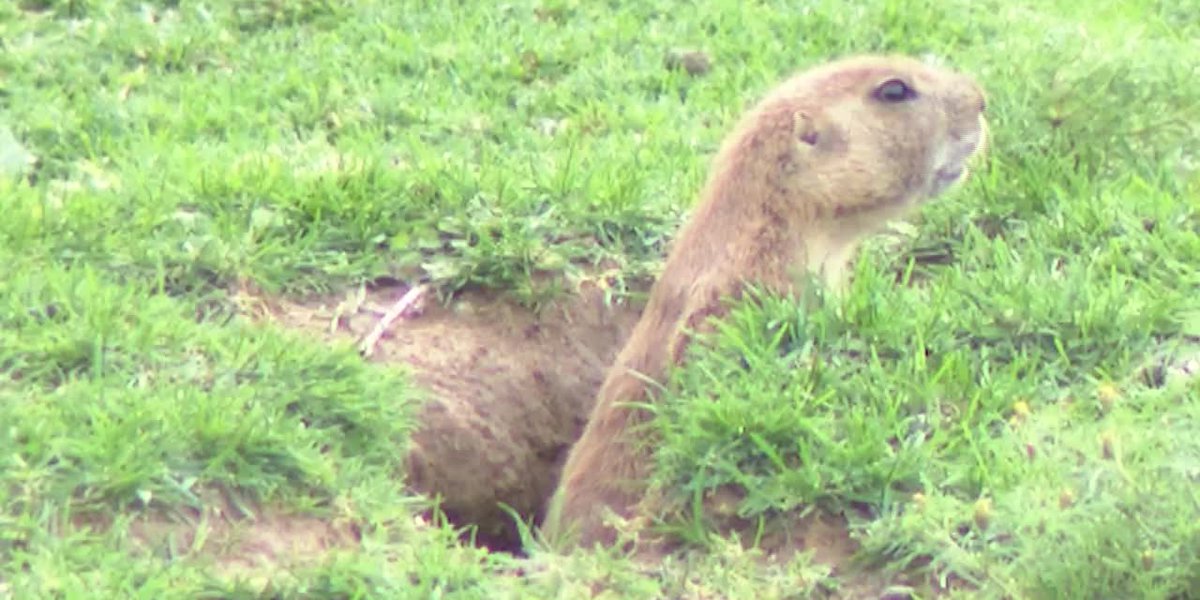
186	151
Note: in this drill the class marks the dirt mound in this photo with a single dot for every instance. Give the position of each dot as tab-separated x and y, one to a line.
238	538
509	390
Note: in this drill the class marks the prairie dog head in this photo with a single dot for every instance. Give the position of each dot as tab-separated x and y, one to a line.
876	133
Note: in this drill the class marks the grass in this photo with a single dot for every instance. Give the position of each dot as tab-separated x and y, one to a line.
1001	395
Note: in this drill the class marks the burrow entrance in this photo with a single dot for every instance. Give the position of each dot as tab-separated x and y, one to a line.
506	389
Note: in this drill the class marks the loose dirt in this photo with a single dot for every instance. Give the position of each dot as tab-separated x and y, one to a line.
508	390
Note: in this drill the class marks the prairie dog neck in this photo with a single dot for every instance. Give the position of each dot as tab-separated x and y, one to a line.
826	158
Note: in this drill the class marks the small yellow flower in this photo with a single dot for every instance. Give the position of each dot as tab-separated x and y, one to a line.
919	501
1020	413
983	512
1066	499
1108	394
1020	409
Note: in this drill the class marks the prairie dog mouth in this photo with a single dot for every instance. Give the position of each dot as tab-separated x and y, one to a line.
960	154
951	173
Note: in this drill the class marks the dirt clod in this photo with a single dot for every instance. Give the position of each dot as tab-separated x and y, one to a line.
694	62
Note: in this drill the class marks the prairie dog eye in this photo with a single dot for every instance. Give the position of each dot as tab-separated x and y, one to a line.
894	90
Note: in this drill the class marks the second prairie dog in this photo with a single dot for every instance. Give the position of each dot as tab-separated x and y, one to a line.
826	158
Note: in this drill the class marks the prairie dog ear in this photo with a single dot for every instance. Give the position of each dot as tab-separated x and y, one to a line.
805	128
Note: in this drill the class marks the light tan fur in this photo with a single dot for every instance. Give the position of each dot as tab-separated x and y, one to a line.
826	158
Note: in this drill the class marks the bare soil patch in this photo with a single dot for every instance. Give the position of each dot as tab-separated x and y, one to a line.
240	540
780	538
507	389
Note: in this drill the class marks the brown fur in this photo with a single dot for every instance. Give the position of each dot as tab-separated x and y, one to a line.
507	392
815	166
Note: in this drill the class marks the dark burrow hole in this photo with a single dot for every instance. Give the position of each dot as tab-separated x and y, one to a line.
507	540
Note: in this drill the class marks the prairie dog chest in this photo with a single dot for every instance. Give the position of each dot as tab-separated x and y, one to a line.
828	247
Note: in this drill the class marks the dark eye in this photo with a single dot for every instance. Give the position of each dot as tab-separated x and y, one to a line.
894	90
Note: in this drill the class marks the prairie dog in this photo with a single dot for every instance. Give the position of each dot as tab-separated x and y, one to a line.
826	158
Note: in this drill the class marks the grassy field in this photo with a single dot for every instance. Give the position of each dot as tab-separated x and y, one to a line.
1007	402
